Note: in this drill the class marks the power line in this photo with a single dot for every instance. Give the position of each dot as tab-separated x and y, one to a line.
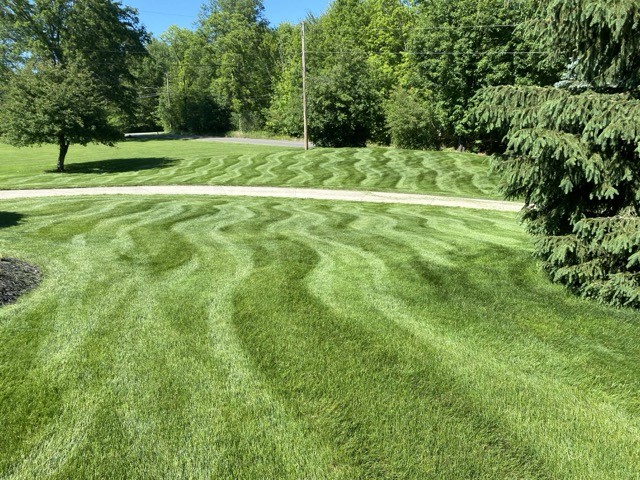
445	27
435	53
354	52
165	13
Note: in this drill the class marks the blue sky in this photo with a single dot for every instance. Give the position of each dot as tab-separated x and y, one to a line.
157	15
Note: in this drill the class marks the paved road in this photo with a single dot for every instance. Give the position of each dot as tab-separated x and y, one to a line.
255	141
242	140
272	192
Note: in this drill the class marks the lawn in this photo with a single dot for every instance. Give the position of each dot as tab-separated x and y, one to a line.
273	339
192	162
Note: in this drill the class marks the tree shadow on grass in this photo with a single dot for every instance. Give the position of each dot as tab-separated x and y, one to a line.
10	219
118	165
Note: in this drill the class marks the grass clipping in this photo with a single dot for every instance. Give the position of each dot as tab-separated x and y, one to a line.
16	279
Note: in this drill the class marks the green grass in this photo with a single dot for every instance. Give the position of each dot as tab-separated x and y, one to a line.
189	162
274	339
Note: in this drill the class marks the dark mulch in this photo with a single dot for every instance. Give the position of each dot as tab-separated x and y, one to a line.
16	278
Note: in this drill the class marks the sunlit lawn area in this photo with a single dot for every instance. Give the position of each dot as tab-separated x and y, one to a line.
192	162
250	338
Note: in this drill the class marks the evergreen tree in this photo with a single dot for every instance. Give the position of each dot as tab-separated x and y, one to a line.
573	153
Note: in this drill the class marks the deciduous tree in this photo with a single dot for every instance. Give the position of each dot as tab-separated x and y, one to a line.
460	46
54	104
240	43
95	40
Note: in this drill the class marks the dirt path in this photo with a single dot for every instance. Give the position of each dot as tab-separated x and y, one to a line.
272	192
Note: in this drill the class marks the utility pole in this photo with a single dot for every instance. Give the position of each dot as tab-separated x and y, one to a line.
304	90
166	76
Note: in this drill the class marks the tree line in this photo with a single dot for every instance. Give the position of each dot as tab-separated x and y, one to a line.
384	71
394	72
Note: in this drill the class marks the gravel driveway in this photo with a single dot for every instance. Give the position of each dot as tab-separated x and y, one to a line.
272	192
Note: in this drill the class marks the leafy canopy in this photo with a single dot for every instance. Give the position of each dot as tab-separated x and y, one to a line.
240	44
460	46
98	41
45	102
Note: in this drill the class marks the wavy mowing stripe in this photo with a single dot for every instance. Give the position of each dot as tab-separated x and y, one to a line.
324	277
255	338
410	165
280	433
201	163
360	170
247	166
329	283
331	169
85	410
232	170
325	283
266	170
198	168
477	172
302	176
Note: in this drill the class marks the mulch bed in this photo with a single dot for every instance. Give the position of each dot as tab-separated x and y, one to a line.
16	278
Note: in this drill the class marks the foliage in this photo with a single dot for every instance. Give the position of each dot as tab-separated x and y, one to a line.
99	39
372	30
185	102
49	104
460	46
575	156
345	94
443	51
284	115
413	120
194	111
343	104
603	36
239	43
150	74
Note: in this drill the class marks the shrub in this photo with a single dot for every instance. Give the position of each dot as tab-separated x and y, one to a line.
413	120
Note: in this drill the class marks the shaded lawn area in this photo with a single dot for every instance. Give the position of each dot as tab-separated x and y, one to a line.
255	338
193	162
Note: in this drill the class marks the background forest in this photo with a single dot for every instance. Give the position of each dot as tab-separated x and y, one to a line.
383	71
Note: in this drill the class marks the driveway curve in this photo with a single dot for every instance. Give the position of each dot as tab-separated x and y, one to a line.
271	192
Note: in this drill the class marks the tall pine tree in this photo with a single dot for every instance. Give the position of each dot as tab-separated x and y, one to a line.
573	151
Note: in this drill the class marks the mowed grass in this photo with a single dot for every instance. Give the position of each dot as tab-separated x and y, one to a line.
193	162
274	339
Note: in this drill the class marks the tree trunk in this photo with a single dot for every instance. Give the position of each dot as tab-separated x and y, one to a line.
64	148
